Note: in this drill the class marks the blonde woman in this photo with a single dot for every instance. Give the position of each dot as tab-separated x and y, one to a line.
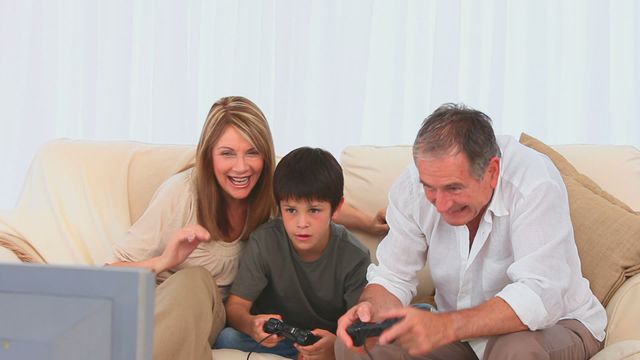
191	235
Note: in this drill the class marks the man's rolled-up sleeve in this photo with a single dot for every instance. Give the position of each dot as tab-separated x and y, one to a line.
545	256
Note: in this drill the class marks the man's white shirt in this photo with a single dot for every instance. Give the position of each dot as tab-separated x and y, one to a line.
524	250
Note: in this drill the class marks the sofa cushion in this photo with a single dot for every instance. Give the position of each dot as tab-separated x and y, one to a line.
149	166
369	172
607	231
615	168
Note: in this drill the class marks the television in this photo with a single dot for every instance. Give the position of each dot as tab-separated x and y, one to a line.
76	312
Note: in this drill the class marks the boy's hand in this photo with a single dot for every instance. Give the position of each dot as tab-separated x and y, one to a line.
321	349
258	333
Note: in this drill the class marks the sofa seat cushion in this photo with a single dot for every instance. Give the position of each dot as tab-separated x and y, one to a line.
607	231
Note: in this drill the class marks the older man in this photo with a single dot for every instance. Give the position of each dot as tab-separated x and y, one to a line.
492	219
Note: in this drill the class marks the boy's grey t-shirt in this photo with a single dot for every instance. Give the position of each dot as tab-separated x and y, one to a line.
307	294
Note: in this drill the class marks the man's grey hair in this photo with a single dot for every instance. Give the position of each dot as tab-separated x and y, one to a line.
453	128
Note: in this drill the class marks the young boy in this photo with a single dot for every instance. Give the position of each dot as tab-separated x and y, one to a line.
301	268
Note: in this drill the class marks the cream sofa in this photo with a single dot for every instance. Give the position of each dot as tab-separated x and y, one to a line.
79	196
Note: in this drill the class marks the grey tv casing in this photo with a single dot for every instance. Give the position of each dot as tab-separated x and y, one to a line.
76	312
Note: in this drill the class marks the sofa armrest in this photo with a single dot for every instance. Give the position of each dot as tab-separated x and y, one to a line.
623	350
623	313
8	256
15	248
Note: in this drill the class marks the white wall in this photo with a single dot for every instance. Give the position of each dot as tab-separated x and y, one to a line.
327	73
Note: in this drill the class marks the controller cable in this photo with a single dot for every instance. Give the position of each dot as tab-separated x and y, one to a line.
367	351
255	347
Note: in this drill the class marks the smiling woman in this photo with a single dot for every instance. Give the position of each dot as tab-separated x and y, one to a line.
192	233
237	166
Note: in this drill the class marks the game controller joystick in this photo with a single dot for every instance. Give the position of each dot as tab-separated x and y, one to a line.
297	335
360	331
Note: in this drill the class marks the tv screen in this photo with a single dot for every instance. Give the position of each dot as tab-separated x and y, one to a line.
75	312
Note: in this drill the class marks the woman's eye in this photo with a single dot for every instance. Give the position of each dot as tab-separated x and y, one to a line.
253	152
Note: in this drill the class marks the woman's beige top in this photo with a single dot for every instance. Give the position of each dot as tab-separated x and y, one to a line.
172	207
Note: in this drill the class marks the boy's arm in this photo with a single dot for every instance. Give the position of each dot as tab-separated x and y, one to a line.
240	318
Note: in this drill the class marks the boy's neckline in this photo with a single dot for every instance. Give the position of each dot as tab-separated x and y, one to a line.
312	258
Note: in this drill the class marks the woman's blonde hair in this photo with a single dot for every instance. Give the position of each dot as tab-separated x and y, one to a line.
211	205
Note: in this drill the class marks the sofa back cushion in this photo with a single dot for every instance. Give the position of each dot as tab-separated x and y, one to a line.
607	231
149	166
614	168
369	172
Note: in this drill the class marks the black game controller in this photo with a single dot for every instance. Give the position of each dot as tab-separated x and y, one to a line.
300	336
360	331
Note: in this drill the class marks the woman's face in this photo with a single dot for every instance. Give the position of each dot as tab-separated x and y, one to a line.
237	164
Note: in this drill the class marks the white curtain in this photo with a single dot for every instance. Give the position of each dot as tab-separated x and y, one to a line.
327	73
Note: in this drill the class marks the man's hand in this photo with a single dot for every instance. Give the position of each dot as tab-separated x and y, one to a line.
257	331
375	299
363	311
420	332
182	243
321	349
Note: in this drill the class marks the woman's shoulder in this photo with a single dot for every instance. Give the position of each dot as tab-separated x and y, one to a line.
178	185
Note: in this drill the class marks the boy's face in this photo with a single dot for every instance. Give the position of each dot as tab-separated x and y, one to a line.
308	226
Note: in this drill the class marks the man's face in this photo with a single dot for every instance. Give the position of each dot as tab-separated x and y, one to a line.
451	187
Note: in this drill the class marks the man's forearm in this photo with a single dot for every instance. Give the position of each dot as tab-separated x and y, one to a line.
494	317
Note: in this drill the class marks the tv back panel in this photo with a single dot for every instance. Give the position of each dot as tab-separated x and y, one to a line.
75	312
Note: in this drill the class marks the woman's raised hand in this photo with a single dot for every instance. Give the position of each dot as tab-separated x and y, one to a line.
182	243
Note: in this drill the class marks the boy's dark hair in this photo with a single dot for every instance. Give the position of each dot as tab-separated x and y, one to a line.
309	174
